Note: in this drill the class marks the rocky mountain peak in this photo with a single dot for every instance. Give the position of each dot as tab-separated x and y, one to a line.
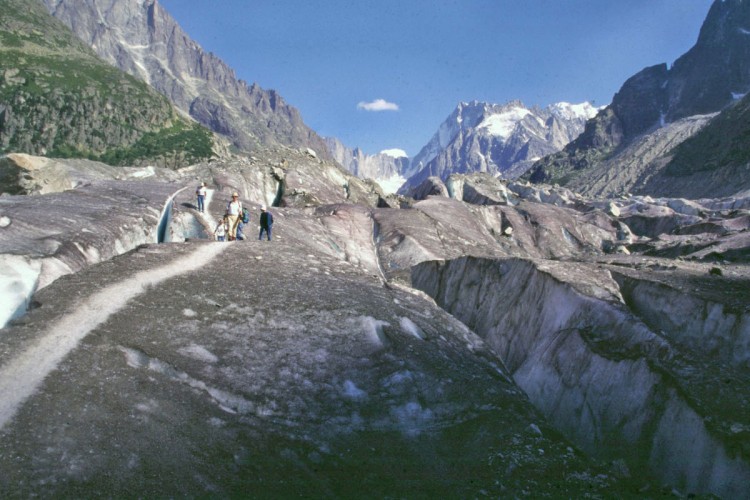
141	38
717	68
58	98
707	79
501	139
384	167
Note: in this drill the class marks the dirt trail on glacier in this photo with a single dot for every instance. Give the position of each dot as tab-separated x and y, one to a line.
21	375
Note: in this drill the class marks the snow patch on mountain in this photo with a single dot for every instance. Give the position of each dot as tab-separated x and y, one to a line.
394	153
569	111
502	124
499	139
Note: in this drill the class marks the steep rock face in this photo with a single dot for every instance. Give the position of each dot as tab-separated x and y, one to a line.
710	76
498	139
714	162
57	98
640	167
386	168
611	384
141	38
717	69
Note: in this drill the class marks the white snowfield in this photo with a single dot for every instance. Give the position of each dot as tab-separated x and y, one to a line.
502	124
395	153
21	376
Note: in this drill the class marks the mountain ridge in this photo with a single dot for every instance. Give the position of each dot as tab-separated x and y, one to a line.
708	78
501	139
57	97
142	38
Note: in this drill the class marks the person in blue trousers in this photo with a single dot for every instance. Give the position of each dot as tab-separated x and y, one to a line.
266	222
201	194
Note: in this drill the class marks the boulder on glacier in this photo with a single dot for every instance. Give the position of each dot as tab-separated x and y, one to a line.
480	189
432	186
26	174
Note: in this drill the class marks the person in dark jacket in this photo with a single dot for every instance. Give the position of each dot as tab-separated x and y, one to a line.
266	222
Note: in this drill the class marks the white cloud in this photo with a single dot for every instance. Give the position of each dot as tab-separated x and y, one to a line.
378	105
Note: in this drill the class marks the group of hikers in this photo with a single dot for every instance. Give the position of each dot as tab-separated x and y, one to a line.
230	226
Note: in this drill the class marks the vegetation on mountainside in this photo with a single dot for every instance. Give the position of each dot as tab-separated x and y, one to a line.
723	142
178	145
58	99
600	139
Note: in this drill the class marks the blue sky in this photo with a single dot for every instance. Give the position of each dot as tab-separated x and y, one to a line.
332	59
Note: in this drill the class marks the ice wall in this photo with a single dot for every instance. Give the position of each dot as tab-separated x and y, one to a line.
596	370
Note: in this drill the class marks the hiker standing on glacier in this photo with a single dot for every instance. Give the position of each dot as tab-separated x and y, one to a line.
201	194
266	222
234	212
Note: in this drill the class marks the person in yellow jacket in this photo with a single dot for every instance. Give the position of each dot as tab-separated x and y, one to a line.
234	214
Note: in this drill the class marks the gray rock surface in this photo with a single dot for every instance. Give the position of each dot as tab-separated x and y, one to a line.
637	167
142	39
85	212
45	237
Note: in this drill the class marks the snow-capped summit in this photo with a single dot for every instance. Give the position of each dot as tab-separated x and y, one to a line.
466	116
502	139
568	111
385	167
395	153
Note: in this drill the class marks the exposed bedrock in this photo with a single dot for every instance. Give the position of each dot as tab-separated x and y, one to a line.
600	373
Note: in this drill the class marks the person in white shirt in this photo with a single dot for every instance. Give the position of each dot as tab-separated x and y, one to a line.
221	230
234	212
201	194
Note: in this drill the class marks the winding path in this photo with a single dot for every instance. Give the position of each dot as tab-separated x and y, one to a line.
21	376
